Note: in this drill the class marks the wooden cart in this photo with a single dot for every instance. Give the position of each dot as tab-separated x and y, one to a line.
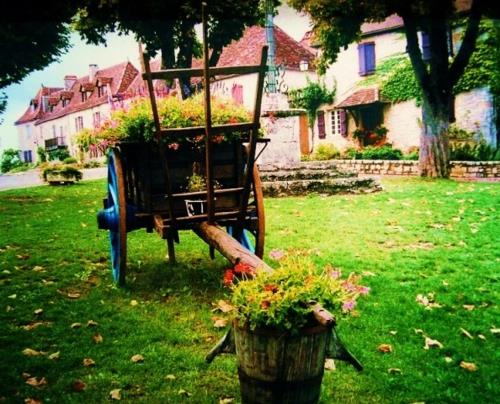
147	181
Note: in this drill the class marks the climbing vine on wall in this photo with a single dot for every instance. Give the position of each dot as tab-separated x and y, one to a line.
397	81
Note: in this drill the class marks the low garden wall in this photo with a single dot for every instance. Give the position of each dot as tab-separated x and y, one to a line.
459	169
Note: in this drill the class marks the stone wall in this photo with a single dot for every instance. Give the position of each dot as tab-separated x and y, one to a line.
459	169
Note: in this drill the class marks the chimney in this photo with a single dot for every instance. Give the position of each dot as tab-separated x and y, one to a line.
69	80
92	72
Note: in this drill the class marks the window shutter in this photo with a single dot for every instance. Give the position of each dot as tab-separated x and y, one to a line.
361	57
321	125
237	93
426	48
366	53
343	122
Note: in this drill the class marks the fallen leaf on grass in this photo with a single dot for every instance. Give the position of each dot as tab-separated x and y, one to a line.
330	364
115	394
38	268
32	352
432	343
394	370
468	307
224	306
97	338
428	301
448	359
92	323
219	322
32	326
471	367
55	355
183	392
30	400
14	296
170	377
137	358
35	382
495	330
134	303
73	295
385	348
38	312
227	400
466	333
78	385
87	362
481	336
76	325
393	332
22	256
25	375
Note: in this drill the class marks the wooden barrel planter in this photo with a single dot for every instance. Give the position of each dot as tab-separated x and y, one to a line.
276	367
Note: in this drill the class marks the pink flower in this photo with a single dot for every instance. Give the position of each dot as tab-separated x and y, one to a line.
349	305
335	273
173	146
348	286
363	290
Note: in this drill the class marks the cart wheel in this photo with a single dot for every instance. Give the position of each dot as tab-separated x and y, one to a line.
253	236
116	201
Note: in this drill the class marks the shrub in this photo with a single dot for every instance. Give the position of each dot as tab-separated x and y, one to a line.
65	170
349	154
58	154
70	160
325	151
412	154
385	152
474	152
10	160
91	164
42	154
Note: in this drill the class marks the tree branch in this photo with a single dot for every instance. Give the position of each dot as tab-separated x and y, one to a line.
468	43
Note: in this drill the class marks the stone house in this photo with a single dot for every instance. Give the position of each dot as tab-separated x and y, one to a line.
361	106
55	115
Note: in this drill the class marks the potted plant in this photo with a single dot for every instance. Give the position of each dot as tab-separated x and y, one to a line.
61	174
281	348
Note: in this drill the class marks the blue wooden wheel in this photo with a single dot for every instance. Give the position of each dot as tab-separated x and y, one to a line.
114	216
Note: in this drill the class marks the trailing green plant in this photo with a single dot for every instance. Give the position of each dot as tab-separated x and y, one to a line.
70	160
385	152
135	122
325	151
42	154
411	154
58	154
283	298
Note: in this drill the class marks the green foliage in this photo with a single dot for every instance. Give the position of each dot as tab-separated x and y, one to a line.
480	151
412	154
310	98
196	183
282	299
42	154
136	122
61	153
10	160
32	36
325	151
70	160
385	152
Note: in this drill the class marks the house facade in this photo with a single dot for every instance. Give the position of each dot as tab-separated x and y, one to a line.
56	115
360	106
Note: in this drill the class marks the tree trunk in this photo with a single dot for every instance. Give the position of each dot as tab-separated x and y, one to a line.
434	145
166	38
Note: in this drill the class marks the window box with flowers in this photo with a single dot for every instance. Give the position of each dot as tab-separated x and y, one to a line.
280	346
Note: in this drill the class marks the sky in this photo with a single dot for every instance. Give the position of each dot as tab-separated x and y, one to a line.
78	58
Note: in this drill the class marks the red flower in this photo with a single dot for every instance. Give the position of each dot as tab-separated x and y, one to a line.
271	288
228	278
242	268
265	304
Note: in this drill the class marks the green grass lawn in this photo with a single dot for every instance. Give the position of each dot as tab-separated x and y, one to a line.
416	238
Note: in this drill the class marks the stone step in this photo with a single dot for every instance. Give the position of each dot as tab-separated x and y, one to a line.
328	186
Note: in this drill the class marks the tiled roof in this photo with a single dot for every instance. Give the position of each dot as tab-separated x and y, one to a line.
246	51
119	78
309	42
390	23
35	109
363	96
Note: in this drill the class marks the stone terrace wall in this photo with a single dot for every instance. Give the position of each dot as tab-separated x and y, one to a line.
459	169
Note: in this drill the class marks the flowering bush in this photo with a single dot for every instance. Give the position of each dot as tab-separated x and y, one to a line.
283	298
375	137
135	122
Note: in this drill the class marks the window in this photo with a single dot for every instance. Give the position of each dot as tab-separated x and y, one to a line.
84	96
338	122
97	119
65	102
28	132
54	133
321	124
102	90
78	123
27	156
237	93
366	53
